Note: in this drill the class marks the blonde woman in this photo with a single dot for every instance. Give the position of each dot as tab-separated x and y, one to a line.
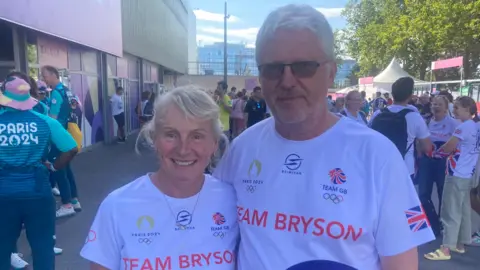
176	217
456	210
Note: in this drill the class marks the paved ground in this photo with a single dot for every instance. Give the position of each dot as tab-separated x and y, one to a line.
106	168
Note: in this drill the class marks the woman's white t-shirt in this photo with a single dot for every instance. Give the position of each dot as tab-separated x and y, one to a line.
462	162
136	228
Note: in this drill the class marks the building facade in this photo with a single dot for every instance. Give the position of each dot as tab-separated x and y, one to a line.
122	43
240	60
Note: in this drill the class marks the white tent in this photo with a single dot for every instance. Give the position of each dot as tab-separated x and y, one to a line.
389	75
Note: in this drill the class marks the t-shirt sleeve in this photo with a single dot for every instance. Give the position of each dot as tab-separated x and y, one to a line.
421	128
460	131
60	136
402	222
102	244
56	103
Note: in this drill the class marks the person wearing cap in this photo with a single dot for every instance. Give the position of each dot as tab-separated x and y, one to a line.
43	93
60	109
25	194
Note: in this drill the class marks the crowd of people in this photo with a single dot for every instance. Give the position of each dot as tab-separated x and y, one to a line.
319	185
38	139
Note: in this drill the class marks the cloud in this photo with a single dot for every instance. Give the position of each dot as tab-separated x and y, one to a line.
203	15
206	39
331	12
247	34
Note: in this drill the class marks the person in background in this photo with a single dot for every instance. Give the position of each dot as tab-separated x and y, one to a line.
61	109
256	108
183	210
339	105
25	194
416	128
140	108
232	95
35	93
225	104
329	103
431	166
238	118
118	112
388	99
449	96
379	102
455	213
365	103
424	106
44	93
353	104
310	206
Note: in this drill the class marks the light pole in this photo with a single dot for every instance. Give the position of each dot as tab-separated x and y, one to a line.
225	69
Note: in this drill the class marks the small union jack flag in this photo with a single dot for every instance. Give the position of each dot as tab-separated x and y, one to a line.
337	176
417	219
218	218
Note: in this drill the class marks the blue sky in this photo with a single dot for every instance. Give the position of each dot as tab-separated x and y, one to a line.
248	15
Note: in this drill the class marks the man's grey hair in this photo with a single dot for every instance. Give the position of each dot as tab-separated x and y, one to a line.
296	17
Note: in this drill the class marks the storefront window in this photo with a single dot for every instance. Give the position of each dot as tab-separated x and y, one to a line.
32	56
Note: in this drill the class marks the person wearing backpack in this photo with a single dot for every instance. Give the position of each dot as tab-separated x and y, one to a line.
402	125
61	109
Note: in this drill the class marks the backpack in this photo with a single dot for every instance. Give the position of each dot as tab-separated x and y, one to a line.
394	127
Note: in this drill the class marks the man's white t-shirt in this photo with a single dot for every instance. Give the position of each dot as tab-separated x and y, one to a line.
462	162
416	129
343	198
117	104
135	228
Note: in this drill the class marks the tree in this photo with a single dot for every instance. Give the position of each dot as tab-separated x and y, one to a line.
416	32
338	46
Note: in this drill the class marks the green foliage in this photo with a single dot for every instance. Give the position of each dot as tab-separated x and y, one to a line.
416	32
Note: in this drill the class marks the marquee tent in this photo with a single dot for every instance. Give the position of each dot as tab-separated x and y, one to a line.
389	75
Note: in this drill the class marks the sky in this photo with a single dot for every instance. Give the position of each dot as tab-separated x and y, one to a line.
246	16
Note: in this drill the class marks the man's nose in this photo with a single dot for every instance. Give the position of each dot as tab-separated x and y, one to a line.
288	79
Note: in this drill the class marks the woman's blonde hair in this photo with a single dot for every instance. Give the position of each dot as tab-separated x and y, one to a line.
193	102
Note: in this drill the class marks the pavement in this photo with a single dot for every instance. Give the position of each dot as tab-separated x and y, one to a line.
109	167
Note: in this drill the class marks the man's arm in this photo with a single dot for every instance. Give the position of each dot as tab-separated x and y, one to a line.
64	142
56	104
407	260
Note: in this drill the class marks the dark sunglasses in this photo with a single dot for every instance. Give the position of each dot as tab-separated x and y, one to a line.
303	69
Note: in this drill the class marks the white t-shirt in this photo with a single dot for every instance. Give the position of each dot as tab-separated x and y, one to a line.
462	162
416	129
441	131
358	118
117	104
135	228
344	197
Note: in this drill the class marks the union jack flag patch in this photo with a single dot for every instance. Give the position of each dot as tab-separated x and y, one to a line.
417	219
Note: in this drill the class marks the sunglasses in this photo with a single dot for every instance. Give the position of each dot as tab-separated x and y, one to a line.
302	69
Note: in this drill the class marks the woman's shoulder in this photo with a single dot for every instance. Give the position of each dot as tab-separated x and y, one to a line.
216	185
133	189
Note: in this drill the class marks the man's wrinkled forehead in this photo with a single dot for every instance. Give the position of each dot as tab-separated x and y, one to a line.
290	45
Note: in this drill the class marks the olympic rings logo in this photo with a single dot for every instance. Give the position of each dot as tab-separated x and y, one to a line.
147	241
220	234
336	199
251	188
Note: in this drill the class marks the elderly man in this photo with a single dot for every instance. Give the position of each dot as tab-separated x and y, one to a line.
316	191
